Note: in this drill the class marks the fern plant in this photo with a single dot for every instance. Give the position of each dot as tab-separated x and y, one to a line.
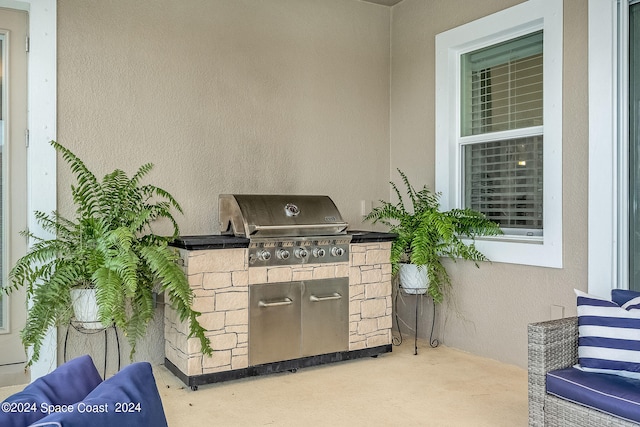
425	234
109	245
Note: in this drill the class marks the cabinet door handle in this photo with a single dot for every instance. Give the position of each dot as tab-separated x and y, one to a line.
285	301
333	296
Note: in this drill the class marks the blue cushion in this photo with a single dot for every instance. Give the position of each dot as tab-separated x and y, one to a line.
67	384
129	398
612	394
609	335
622	296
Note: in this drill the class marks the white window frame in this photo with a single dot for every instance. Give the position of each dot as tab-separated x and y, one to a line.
608	146
516	21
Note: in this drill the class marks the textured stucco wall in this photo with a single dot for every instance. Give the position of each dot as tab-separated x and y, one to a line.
491	306
228	96
287	96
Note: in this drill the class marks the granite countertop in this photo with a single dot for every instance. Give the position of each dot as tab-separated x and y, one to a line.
360	236
210	241
217	241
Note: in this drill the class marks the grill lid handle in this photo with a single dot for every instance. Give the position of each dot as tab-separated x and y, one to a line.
258	228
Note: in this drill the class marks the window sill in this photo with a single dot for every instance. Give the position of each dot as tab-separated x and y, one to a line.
533	240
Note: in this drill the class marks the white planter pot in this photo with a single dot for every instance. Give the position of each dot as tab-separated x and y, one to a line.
85	308
413	279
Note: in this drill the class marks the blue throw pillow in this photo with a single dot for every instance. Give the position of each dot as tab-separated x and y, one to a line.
621	296
67	384
608	335
128	399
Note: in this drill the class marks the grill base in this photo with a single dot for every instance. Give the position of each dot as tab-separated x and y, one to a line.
271	368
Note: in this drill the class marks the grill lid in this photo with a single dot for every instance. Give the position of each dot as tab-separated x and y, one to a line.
265	215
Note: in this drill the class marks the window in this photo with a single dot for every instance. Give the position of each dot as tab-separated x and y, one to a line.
502	86
503	179
499	128
502	90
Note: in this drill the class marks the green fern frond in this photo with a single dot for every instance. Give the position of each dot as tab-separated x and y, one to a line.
400	205
159	192
140	173
110	298
88	188
143	310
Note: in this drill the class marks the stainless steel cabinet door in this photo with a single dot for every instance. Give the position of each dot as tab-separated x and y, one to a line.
325	316
274	322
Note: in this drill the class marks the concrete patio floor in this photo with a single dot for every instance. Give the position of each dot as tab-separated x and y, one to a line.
437	387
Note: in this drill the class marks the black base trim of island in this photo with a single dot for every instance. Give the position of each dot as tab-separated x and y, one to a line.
274	367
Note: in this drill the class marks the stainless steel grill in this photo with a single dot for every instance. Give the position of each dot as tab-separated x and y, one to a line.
286	229
295	319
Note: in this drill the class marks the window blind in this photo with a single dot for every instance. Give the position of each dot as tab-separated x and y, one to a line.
502	90
502	86
503	179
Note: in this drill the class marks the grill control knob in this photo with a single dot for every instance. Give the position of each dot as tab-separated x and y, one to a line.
336	251
301	253
264	255
318	252
282	254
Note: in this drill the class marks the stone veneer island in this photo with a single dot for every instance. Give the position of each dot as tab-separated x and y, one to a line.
218	272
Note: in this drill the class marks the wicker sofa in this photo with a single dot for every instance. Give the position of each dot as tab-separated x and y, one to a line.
554	345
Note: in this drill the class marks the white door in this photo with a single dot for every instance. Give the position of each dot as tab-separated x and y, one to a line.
13	186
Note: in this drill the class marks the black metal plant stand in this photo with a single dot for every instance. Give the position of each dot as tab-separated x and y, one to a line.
433	342
78	327
415	337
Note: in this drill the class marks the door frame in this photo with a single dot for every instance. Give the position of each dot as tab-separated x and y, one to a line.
608	138
41	120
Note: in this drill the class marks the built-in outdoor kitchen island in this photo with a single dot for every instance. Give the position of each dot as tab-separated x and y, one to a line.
272	304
